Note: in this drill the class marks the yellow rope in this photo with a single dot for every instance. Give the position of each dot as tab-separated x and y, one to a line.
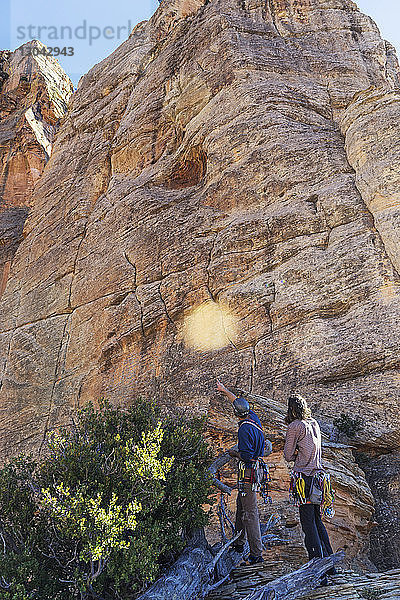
301	489
328	498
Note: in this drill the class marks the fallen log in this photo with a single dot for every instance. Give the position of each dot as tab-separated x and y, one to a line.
192	575
200	569
305	579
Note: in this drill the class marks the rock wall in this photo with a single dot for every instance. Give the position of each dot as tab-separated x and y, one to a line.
34	94
383	476
218	201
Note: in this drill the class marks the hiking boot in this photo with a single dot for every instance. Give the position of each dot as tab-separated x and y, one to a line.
255	559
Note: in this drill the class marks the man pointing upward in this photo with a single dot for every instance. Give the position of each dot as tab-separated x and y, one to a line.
251	443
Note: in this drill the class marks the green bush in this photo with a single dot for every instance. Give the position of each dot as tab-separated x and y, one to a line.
348	425
109	507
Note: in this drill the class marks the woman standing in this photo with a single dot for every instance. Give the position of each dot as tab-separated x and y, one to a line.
303	446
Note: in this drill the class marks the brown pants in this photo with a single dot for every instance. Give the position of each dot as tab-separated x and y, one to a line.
248	521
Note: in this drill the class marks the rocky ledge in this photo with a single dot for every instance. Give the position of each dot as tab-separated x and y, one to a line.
347	585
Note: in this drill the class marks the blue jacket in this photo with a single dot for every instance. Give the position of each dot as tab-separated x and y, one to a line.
251	440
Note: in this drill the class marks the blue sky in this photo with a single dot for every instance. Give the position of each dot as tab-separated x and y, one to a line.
95	28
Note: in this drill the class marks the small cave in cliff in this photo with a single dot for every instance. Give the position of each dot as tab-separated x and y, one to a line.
189	170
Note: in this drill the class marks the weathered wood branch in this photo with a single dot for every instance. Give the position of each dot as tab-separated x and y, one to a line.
219	462
189	576
223	549
199	569
299	582
222	486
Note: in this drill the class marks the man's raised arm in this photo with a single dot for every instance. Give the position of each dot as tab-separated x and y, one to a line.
224	390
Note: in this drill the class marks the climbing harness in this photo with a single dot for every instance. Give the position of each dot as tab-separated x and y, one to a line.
321	492
255	478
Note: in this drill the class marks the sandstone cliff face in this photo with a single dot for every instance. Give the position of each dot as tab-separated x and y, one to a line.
383	475
34	93
224	159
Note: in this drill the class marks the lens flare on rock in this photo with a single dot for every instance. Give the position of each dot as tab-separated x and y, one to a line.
209	327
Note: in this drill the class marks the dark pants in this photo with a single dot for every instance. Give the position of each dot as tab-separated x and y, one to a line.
316	537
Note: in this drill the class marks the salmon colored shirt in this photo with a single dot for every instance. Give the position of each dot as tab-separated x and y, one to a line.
305	438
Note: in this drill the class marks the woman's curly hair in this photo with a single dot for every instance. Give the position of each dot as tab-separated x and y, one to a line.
297	409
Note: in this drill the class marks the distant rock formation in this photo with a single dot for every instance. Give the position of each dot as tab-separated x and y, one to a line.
222	199
34	94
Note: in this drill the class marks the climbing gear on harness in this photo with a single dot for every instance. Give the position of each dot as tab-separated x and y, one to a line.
254	478
321	492
241	407
327	509
297	491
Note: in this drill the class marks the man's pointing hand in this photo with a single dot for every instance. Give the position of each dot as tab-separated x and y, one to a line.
220	387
